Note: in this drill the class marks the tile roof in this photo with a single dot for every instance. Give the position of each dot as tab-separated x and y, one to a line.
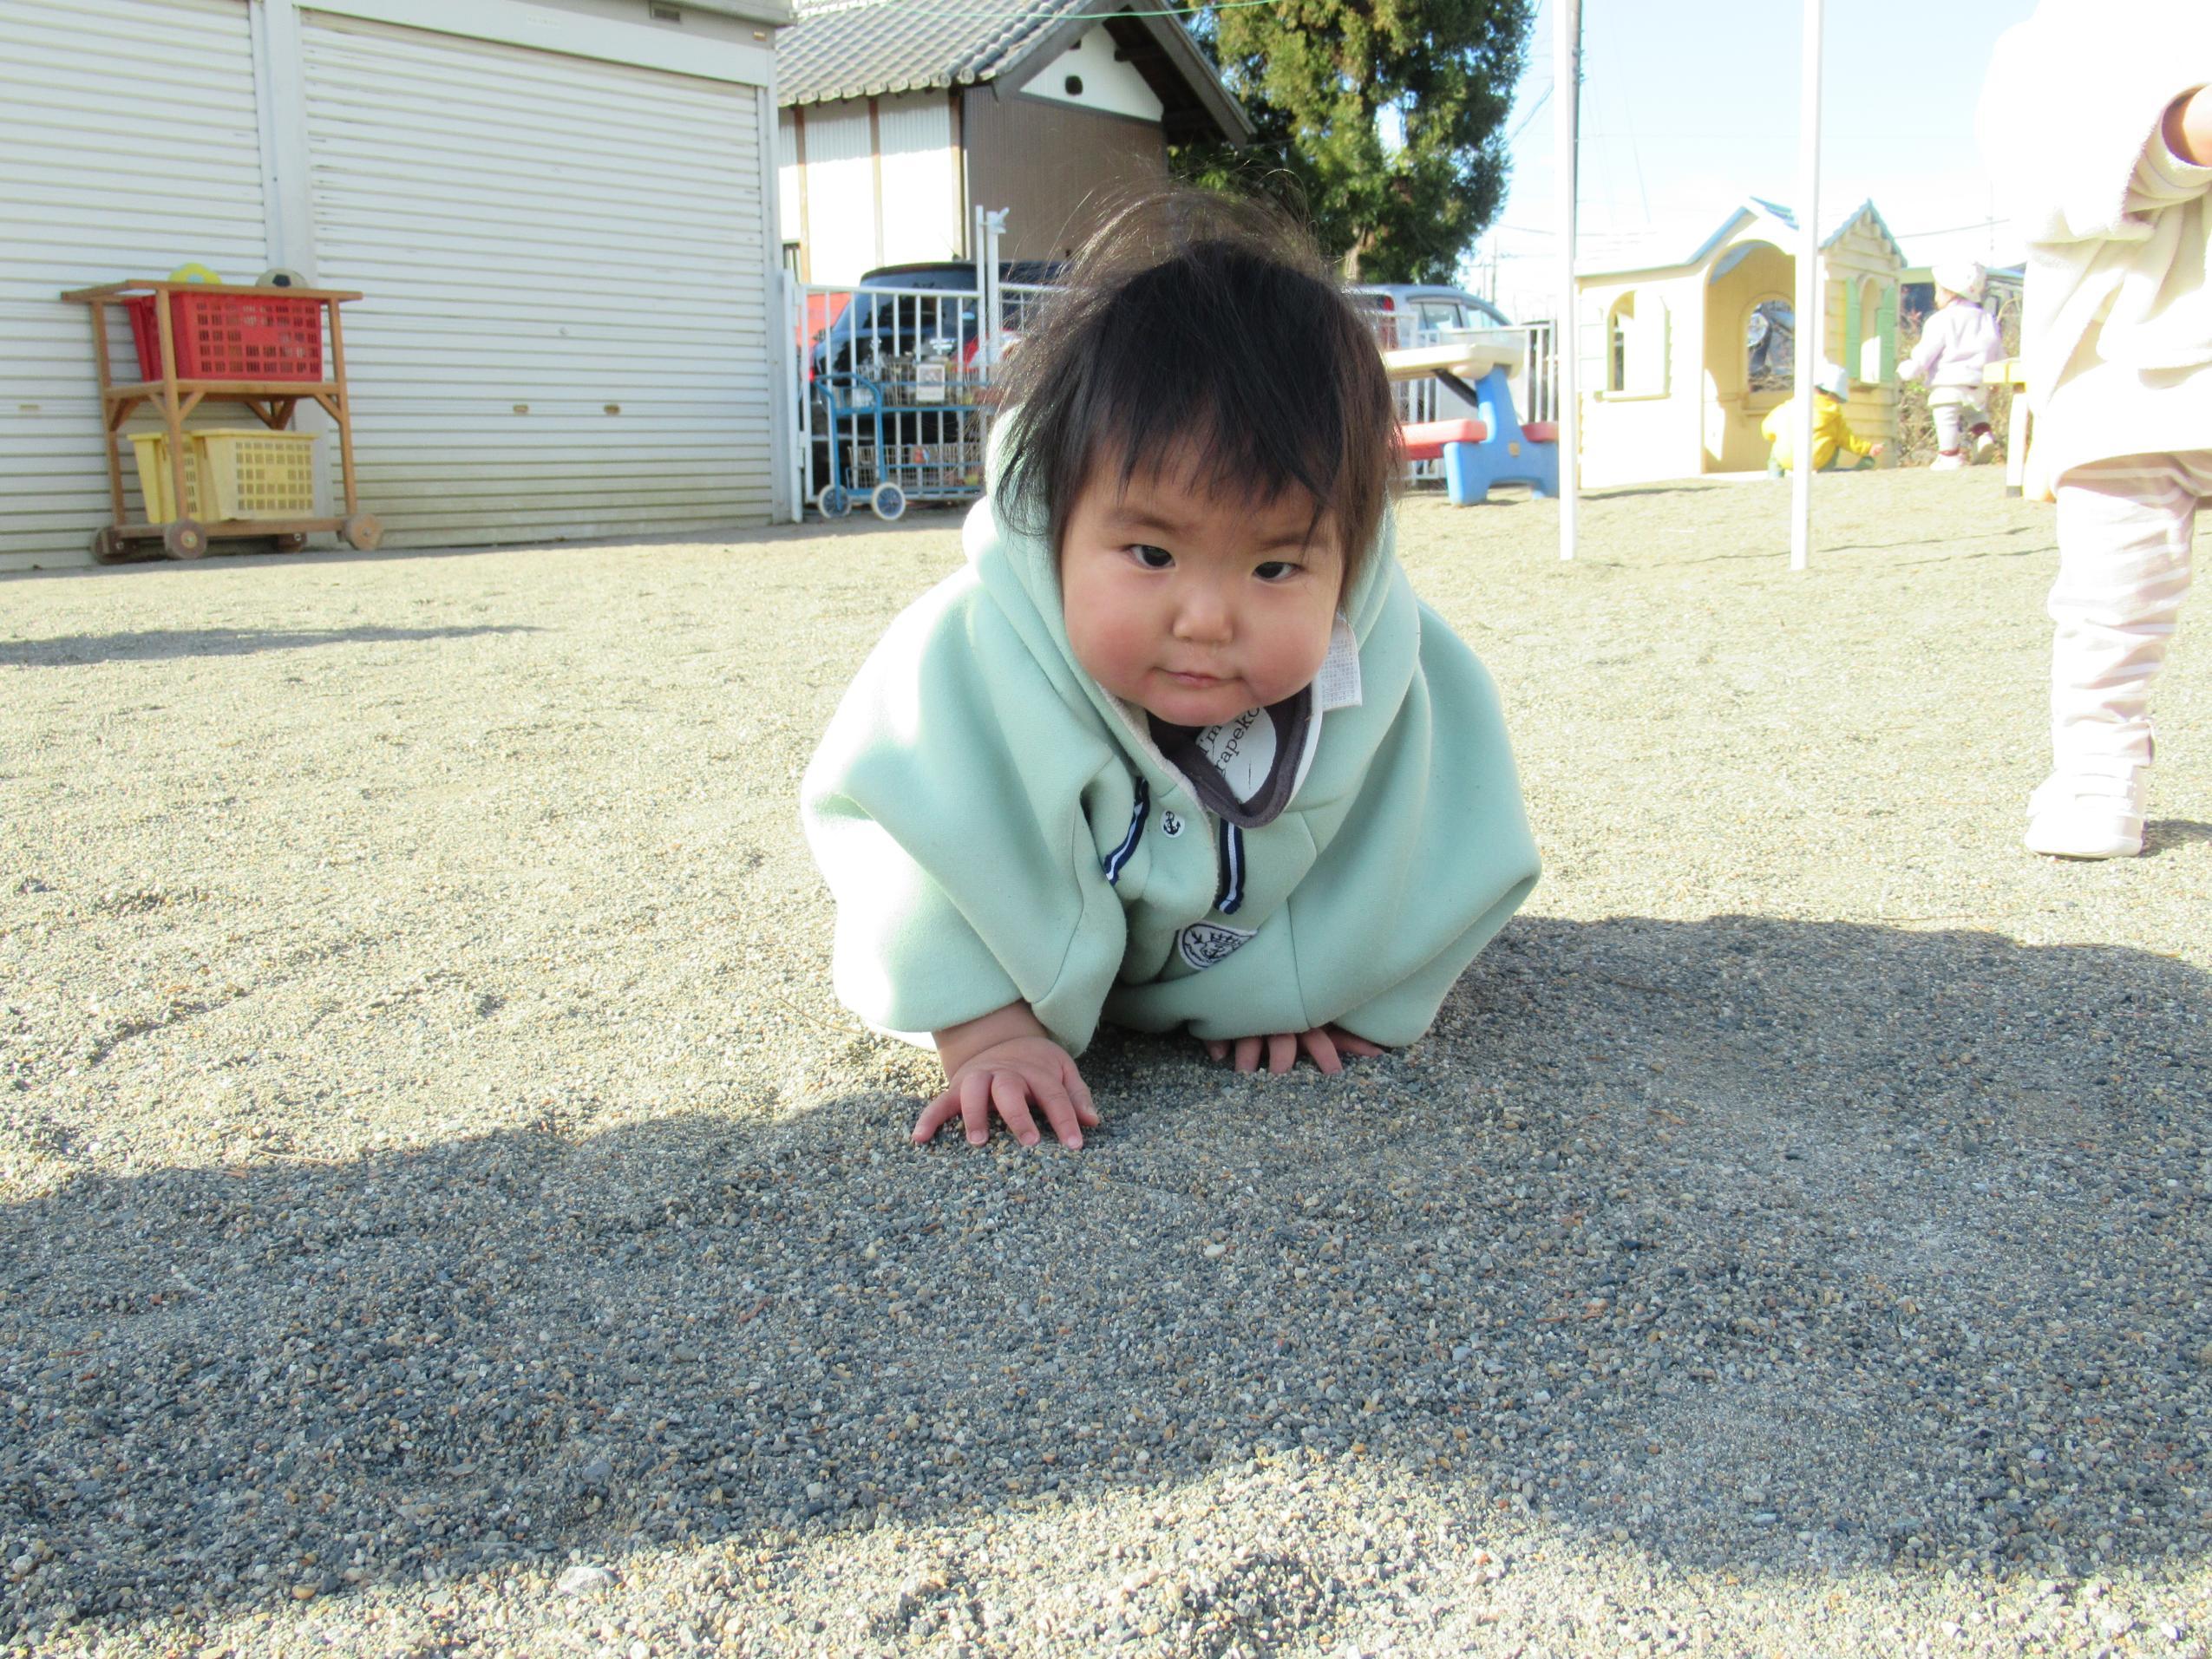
858	48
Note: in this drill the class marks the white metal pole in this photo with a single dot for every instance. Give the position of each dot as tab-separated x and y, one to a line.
797	402
979	245
1812	305
1567	98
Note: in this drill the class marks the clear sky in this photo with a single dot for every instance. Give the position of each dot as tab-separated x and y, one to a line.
1688	106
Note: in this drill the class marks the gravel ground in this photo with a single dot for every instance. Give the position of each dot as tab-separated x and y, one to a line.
442	1209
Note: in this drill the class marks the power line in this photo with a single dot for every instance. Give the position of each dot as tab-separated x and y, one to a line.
1953	230
1529	115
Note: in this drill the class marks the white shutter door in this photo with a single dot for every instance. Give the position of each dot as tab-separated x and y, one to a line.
127	147
841	206
921	206
565	332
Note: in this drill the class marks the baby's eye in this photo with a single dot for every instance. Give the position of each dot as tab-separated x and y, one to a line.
1276	570
1153	558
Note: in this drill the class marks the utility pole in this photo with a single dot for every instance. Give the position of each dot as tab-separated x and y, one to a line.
1812	299
1567	98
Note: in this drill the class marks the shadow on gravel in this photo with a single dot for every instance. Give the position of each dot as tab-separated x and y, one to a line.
2042	545
2164	834
157	644
1768	1245
1623	492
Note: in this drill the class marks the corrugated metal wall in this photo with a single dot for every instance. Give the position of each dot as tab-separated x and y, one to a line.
787	176
566	332
848	225
127	147
840	183
922	212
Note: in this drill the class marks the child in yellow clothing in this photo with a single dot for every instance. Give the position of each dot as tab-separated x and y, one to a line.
1833	438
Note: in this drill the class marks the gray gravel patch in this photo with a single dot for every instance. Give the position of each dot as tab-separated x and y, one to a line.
442	1209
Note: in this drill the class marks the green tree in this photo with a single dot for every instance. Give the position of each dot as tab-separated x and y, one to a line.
1379	120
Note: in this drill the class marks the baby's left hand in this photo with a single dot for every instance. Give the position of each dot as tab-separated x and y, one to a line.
1325	1044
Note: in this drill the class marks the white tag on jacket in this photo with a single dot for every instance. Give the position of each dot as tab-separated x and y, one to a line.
1204	943
1242	750
1337	685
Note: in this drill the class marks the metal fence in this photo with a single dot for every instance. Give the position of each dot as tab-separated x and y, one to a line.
1535	388
893	386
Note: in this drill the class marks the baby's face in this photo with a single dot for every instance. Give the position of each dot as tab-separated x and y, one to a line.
1194	606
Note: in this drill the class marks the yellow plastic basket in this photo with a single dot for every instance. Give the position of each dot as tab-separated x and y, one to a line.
257	474
151	449
229	474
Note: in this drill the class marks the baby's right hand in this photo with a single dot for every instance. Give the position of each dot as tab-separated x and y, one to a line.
1006	1078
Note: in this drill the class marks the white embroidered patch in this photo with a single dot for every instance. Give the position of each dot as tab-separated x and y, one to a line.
1204	943
1242	750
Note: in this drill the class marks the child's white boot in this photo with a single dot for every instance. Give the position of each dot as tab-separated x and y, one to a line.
1985	446
2089	815
1950	461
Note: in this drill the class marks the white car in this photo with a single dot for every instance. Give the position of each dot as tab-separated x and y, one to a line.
1425	314
1417	314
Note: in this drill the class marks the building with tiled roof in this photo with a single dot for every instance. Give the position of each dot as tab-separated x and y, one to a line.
898	120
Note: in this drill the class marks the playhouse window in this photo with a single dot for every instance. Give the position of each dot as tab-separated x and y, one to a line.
1636	346
1770	347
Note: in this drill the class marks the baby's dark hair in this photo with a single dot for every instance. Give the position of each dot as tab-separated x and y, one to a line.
1198	331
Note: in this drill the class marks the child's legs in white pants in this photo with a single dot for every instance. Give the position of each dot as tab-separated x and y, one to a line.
1953	407
2125	528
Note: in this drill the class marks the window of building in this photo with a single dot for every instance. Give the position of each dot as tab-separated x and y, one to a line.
1770	347
1636	346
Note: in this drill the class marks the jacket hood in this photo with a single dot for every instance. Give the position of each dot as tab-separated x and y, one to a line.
1020	574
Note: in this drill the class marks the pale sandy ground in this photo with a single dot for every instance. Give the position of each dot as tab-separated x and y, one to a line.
432	1157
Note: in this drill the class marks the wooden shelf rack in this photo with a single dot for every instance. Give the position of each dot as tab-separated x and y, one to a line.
274	402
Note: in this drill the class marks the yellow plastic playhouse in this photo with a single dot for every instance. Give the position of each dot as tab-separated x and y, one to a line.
1680	362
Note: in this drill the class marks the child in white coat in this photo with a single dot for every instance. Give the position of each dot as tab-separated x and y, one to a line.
1958	342
2113	200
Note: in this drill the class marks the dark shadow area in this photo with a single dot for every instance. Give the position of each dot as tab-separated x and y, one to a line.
2165	834
1621	493
2042	545
148	645
1773	1246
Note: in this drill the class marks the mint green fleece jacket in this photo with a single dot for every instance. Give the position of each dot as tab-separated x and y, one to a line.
995	826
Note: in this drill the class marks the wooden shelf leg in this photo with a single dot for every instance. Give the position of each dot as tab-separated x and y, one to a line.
345	410
110	441
172	415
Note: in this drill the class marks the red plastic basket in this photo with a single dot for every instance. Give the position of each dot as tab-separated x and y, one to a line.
232	336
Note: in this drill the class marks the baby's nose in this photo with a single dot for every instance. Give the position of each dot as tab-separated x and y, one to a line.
1203	616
